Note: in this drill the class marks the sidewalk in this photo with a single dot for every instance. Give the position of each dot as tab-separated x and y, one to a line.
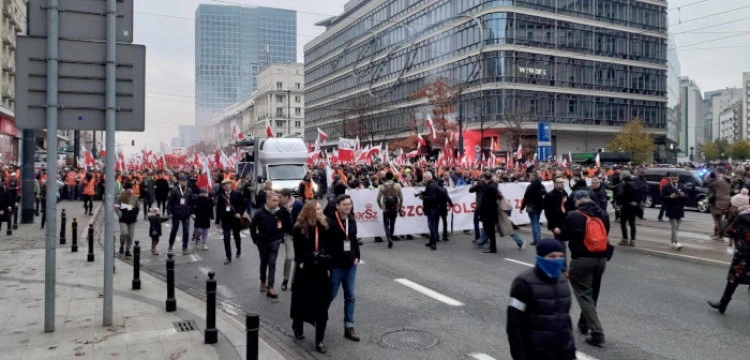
142	329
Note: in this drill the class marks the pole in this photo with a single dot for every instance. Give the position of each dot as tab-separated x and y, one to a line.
460	126
252	323
76	147
9	217
50	243
137	266
109	163
288	113
171	301
74	235
90	256
211	334
27	177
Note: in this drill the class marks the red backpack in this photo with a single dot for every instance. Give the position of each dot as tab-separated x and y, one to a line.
595	240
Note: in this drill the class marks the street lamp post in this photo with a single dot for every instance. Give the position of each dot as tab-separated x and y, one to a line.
93	144
288	112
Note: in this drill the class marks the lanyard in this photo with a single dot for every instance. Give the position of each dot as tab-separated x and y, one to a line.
344	229
182	194
316	237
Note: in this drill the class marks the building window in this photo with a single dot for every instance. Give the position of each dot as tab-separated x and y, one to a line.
297	111
279	111
279	99
297	86
279	85
298	99
298	124
279	123
278	134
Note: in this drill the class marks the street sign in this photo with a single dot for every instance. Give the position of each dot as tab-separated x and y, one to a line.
544	134
81	85
544	153
83	20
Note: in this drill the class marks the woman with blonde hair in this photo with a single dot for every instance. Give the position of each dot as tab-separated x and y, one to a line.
311	287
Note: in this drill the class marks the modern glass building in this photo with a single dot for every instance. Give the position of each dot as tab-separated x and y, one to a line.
586	66
232	44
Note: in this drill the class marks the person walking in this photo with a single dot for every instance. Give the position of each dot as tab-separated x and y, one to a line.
202	214
148	189
179	206
430	197
154	228
504	224
533	203
554	207
161	191
582	229
739	269
628	197
718	199
444	201
229	210
390	199
306	191
488	212
88	191
312	275
293	208
673	201
662	183
343	248
478	189
538	316
127	210
267	229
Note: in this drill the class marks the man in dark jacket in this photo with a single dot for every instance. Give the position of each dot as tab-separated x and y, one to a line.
203	213
478	189
586	268
539	325
179	207
554	207
147	189
533	202
229	210
293	208
443	202
673	202
598	194
161	191
430	197
488	211
267	230
628	197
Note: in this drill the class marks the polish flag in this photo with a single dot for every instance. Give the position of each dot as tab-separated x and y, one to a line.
269	131
570	159
509	161
321	135
346	155
598	162
519	153
420	140
412	154
431	126
204	179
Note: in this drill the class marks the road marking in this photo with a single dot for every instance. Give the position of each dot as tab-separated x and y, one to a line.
519	262
429	292
582	356
686	256
480	356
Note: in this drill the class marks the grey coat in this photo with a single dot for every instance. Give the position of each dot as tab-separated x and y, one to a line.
504	225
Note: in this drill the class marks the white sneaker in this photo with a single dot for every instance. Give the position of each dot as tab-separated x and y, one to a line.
205	247
522	246
677	246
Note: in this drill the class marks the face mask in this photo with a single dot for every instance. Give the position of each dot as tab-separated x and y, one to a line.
550	267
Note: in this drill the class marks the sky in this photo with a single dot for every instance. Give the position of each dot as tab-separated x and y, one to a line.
713	44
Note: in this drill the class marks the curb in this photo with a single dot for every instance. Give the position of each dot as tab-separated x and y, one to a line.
676	256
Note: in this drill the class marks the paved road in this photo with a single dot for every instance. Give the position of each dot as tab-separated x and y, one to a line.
651	308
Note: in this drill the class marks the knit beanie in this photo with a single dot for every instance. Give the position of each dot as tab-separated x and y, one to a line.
741	199
546	246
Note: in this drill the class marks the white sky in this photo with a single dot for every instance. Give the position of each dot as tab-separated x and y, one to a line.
166	27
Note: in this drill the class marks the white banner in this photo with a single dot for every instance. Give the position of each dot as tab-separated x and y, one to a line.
411	220
347	143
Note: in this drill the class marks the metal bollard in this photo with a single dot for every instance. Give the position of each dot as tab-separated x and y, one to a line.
211	334
74	235
62	228
91	243
252	323
9	217
171	301
137	266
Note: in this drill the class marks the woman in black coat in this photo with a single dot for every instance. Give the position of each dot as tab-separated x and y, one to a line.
739	270
311	294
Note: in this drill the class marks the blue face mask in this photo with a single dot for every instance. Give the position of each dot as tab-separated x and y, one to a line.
551	267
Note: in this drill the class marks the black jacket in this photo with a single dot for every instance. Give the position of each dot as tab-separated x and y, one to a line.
534	196
543	329
444	200
570	204
574	230
268	227
176	206
600	197
235	205
154	224
161	189
553	203
431	195
478	188
335	242
628	192
674	208
312	285
488	209
203	209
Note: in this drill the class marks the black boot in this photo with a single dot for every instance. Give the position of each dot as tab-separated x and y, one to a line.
721	305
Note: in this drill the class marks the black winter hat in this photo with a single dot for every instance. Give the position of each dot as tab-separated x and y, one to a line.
546	246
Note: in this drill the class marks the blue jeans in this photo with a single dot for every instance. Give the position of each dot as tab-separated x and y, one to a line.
536	230
347	278
432	222
185	231
514	236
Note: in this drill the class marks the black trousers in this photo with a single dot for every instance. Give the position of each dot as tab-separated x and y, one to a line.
489	229
444	218
627	217
320	328
231	227
389	223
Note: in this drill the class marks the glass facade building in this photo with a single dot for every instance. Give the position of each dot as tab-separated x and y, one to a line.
232	44
580	64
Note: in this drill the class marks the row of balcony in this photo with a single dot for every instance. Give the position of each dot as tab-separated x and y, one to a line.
13	15
9	92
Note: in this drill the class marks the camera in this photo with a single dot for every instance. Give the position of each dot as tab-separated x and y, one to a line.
419	194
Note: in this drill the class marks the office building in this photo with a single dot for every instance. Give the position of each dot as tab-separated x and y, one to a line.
232	44
691	119
730	123
746	106
13	23
587	67
280	100
666	151
240	116
718	102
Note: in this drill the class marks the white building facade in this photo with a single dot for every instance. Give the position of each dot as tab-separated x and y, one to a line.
280	100
13	23
730	123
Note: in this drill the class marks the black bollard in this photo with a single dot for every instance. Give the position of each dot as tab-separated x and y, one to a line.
62	228
211	334
9	217
74	235
252	323
171	301
91	243
137	266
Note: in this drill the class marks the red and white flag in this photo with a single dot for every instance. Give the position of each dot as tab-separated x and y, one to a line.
269	131
508	161
321	135
519	152
598	162
431	126
420	140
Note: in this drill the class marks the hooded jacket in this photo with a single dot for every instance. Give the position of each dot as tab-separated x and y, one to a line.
574	230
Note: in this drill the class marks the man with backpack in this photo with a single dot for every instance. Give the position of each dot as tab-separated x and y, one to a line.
390	199
586	230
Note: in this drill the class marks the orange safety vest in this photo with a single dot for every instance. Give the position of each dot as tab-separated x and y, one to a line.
307	189
88	187
137	189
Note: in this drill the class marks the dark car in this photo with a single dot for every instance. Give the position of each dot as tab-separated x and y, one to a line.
697	194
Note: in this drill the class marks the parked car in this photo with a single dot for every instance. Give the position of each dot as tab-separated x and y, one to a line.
697	194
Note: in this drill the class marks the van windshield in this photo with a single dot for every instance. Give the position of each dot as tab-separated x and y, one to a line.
286	172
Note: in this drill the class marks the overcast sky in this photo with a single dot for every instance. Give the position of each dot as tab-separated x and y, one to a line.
715	56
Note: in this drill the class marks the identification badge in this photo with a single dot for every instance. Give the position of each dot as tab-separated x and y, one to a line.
182	201
278	224
228	209
347	245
